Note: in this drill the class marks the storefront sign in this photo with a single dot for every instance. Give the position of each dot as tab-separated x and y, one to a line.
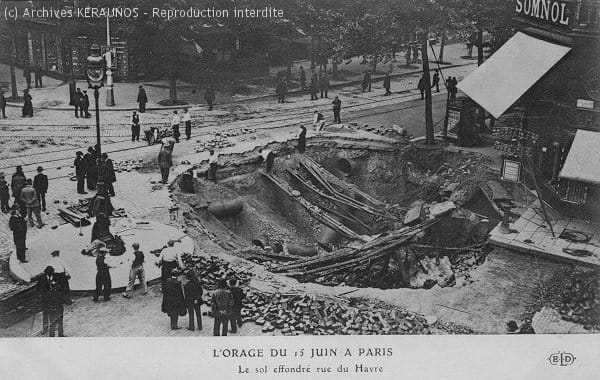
511	170
547	11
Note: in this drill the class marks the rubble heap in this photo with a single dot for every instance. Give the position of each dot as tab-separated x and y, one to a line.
211	269
217	142
580	300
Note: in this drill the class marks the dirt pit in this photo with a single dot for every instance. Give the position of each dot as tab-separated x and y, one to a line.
349	214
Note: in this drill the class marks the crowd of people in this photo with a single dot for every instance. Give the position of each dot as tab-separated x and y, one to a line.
95	168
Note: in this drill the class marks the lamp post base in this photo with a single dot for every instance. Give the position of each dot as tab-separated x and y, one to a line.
110	96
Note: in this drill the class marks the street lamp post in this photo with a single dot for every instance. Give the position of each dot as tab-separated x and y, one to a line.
95	74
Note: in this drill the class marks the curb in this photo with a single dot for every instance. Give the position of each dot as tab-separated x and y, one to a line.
295	92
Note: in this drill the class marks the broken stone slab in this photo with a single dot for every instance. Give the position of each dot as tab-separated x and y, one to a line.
440	209
498	191
415	214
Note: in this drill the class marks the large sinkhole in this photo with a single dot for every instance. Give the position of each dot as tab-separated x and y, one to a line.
351	214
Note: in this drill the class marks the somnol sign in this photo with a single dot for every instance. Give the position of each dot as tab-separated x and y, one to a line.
548	10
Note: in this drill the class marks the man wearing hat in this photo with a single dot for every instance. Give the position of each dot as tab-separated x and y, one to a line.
142	99
52	304
18	226
192	292
173	303
3	104
61	272
222	302
40	184
137	270
103	283
169	259
80	169
4	194
30	198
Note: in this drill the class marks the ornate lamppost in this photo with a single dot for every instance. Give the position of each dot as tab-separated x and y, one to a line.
95	73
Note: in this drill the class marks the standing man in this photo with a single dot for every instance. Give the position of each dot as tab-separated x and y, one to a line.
209	96
51	300
187	120
165	162
173	303
17	183
78	102
61	272
222	302
213	161
302	139
192	292
4	194
169	259
106	174
175	125
142	99
27	76
37	72
235	320
40	184
103	282
91	168
421	86
30	197
3	104
454	88
137	270
135	127
366	83
85	105
323	87
281	91
18	226
436	81
302	79
387	84
80	169
313	88
337	107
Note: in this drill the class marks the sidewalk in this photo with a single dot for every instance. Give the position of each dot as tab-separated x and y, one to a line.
55	94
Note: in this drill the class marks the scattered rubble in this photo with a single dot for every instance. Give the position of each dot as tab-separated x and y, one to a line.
580	299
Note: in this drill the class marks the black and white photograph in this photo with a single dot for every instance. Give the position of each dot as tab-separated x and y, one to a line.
225	171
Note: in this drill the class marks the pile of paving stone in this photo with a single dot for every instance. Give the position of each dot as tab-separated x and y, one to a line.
211	269
128	165
235	132
295	314
580	301
217	142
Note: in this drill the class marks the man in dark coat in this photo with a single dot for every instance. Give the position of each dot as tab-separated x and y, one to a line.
78	103
142	99
135	127
17	184
27	104
165	162
37	72
103	281
222	302
235	319
106	174
324	85
302	79
85	104
192	292
18	226
366	82
313	88
91	168
3	104
80	169
436	81
173	303
52	303
281	91
454	88
4	194
302	140
387	84
337	107
40	184
421	86
209	96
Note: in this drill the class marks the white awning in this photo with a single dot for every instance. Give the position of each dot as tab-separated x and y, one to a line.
583	161
501	80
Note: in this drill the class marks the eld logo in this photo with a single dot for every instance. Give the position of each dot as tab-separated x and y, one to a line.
561	358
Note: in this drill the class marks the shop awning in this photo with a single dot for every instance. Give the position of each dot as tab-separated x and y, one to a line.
583	161
501	80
